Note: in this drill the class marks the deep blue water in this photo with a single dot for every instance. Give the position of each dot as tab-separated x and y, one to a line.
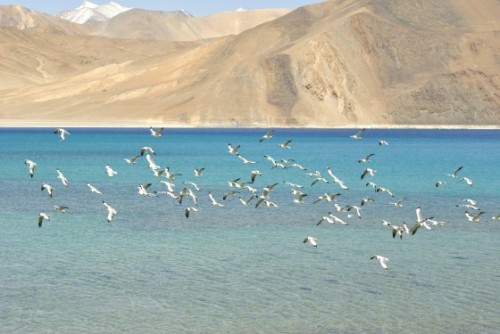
241	269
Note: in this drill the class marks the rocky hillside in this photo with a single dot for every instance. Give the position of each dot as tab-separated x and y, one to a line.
337	63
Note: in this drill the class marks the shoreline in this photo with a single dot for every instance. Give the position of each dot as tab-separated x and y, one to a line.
144	124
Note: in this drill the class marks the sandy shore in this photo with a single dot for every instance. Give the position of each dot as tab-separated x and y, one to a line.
147	124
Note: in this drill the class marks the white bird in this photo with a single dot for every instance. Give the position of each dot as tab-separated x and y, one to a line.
31	167
286	145
466	180
198	171
229	194
147	149
358	134
328	219
151	163
41	217
366	200
299	197
294	185
143	189
194	185
383	143
370	171
440	183
246	161
110	171
170	186
312	241
170	175
62	133
337	219
268	135
132	160
61	177
247	202
383	190
156	132
367	158
326	197
295	165
336	179
473	218
267	189
111	211
497	217
254	174
398	203
187	211
61	208
213	201
93	189
319	179
47	187
470	201
186	192
420	222
454	173
233	149
382	260
355	208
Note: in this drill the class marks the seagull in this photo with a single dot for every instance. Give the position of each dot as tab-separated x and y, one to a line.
286	145
254	174
294	185
229	194
312	241
111	211
143	189
93	189
358	134
384	190
246	202
497	217
328	219
319	179
454	173
198	171
473	218
356	208
132	160
246	161
195	186
267	189
187	211
466	180
382	260
470	201
152	164
336	179
440	183
365	201
41	217
368	171
299	197
110	171
326	197
61	177
61	208
147	149
367	158
156	132
295	165
186	192
420	222
396	230
31	167
47	187
337	220
170	175
233	149
62	133
213	200
383	143
398	203
170	186
268	135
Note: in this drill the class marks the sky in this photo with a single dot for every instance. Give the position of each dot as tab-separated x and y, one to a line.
195	7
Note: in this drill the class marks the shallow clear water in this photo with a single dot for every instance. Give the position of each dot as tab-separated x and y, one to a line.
240	269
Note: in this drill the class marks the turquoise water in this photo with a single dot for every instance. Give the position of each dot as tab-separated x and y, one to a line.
240	269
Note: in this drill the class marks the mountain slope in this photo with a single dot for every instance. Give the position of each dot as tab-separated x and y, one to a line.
338	63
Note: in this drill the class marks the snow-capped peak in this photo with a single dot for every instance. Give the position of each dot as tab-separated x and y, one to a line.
91	12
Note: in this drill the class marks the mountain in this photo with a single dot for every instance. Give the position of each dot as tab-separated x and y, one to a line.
181	26
336	63
89	12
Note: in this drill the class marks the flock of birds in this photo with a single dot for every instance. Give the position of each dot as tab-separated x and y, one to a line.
262	197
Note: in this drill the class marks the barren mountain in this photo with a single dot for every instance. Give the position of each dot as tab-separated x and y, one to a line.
341	62
179	26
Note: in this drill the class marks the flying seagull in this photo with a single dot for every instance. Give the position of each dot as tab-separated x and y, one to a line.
268	135
156	132
110	171
147	149
132	160
111	211
286	145
358	135
198	171
473	218
143	189
31	167
62	133
383	143
367	158
187	211
61	208
454	173
382	260
93	189
213	201
466	180
312	241
233	149
47	187
41	217
61	177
